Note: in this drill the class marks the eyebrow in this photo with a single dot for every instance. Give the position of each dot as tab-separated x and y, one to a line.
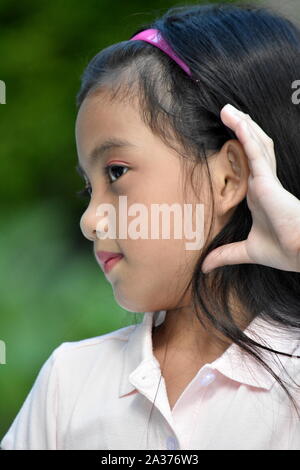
100	150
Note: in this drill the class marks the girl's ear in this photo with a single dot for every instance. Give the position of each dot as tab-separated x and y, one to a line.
230	172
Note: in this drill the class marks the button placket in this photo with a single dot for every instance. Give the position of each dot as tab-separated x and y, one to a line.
149	374
147	378
172	443
207	376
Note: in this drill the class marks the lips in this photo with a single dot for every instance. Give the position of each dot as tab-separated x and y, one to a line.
108	259
104	256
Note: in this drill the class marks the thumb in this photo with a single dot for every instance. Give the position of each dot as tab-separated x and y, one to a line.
232	253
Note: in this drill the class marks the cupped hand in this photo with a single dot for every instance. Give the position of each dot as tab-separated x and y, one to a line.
274	238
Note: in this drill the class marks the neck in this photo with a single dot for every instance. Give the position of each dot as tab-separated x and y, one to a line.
183	333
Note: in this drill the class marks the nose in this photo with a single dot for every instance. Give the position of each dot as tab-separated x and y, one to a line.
86	227
90	225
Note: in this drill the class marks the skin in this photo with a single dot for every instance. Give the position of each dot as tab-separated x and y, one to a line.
153	273
274	238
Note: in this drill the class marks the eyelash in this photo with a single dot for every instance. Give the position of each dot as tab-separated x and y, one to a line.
86	191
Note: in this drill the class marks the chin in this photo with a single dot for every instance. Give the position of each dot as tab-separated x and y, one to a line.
134	305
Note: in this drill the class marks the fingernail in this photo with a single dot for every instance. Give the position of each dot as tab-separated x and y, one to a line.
231	109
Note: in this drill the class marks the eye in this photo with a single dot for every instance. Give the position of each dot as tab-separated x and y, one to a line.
87	190
115	171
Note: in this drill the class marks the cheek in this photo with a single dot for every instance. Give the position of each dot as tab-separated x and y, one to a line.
153	253
153	274
159	258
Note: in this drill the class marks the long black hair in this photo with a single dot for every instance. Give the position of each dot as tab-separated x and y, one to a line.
246	55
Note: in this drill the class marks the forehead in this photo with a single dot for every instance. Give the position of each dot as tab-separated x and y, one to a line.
99	116
101	119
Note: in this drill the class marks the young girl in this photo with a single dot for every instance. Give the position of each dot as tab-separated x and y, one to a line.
215	363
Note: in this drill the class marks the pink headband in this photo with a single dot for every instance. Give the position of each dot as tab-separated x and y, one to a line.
153	36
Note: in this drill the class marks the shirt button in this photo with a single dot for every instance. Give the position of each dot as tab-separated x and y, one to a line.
172	443
208	378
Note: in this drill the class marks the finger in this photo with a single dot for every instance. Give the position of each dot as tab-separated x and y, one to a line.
265	138
256	132
232	253
259	161
259	131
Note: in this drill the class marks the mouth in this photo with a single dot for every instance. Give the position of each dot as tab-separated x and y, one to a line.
108	259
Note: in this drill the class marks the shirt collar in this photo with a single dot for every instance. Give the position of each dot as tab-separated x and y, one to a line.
233	363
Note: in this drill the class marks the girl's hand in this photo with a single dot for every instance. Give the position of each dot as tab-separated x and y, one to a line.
274	238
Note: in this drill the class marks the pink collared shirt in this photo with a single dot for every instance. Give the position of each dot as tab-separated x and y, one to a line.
97	393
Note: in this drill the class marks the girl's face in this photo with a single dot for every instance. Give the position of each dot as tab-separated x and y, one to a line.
153	272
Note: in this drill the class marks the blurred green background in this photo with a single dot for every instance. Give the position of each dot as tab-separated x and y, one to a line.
52	289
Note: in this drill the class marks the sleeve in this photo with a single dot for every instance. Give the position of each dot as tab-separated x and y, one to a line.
35	426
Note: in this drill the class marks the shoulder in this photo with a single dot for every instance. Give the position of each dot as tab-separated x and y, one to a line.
87	367
113	340
89	352
74	371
